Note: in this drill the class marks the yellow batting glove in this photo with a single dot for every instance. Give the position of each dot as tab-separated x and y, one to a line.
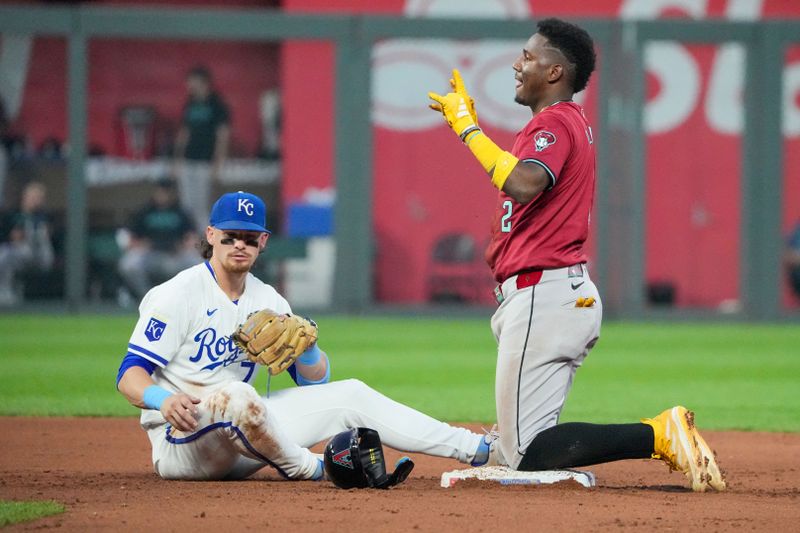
458	110
457	83
453	107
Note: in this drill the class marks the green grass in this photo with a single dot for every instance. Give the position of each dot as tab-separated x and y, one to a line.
13	512
734	375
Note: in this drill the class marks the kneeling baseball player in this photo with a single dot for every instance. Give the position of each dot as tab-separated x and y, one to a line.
194	353
550	310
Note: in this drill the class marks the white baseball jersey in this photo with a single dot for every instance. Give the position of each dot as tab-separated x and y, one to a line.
184	328
187	322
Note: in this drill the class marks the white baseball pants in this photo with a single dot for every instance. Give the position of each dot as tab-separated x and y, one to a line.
542	339
239	432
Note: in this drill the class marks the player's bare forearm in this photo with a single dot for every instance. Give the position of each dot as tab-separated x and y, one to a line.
178	409
316	371
526	182
133	383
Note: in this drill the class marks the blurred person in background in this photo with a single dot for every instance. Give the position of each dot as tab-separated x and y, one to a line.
25	242
3	154
792	259
159	242
201	146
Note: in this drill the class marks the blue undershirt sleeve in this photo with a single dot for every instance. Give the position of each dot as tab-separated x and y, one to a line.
131	360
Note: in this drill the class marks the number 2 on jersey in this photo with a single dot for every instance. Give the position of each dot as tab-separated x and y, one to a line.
505	222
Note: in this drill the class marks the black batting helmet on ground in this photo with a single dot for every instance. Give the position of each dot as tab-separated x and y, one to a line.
354	459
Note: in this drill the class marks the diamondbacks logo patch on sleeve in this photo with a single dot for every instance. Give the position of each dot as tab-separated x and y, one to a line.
543	139
154	330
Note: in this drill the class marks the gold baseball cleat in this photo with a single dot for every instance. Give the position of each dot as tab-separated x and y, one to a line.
679	444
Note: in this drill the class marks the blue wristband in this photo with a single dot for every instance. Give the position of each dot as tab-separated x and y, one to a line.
310	356
303	381
154	396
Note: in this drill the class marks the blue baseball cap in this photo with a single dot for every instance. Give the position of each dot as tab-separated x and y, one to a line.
239	211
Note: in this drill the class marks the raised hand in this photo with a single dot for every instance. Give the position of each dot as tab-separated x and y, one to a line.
457	83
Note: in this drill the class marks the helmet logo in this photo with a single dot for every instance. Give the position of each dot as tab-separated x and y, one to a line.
343	459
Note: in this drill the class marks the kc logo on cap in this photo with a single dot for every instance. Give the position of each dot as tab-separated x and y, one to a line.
246	206
239	211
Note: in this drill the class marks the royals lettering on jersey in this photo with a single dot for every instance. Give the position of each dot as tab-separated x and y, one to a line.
185	328
549	231
219	349
212	349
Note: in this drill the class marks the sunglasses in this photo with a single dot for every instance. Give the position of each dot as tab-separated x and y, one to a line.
248	240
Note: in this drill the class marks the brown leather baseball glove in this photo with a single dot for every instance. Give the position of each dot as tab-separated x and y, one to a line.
273	340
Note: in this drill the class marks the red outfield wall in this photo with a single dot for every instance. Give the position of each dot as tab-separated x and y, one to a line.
426	185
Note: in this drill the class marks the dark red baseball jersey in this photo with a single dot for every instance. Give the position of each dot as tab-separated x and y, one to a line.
550	230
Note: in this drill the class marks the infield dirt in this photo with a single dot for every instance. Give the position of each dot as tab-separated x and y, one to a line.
100	469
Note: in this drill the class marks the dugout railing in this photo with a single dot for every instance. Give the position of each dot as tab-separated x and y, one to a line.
620	215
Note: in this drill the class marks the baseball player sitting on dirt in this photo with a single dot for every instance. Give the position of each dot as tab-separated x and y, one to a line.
199	341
